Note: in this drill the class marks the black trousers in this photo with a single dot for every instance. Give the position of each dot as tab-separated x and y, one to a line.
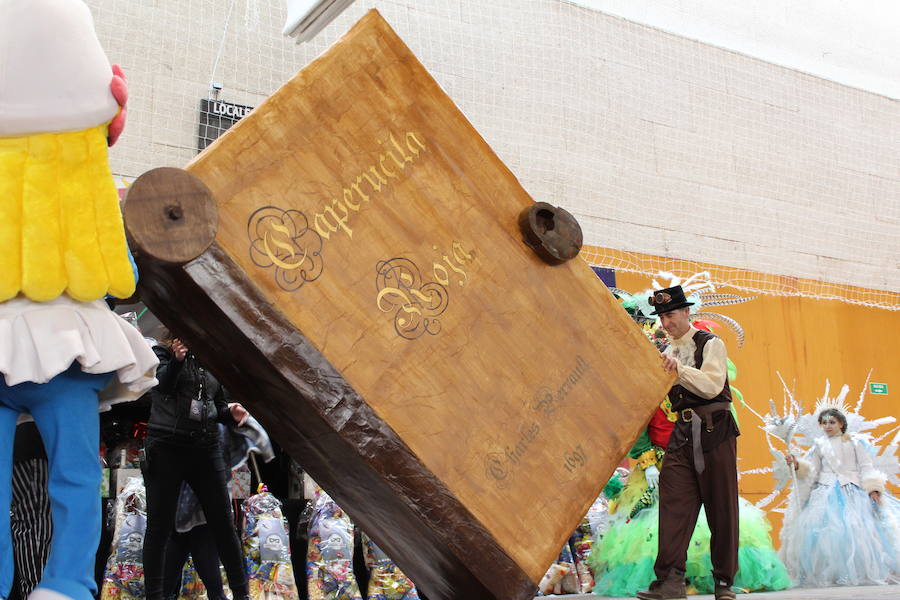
30	523
682	492
167	465
201	545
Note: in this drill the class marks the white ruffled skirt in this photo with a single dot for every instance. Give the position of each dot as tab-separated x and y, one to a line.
40	340
840	537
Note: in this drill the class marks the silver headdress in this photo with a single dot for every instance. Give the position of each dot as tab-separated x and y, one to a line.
702	292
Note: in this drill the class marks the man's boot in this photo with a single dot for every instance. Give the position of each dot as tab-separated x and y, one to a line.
670	588
723	591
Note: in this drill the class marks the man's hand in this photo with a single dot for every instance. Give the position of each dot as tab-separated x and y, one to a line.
179	349
238	413
669	364
651	473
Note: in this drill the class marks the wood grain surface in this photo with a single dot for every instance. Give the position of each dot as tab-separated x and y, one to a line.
170	215
368	246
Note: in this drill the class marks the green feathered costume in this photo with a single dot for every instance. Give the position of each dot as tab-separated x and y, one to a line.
623	559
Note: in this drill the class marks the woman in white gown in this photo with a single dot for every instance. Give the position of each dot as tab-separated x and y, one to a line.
843	527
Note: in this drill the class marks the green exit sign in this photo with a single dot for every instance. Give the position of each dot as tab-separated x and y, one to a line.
878	388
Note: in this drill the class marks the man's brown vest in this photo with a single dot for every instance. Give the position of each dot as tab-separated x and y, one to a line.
722	424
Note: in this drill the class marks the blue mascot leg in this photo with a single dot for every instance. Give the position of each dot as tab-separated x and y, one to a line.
8	416
65	411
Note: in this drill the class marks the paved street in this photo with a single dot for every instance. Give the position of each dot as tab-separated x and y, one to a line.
882	592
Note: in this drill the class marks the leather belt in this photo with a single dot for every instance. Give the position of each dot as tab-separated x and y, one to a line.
694	416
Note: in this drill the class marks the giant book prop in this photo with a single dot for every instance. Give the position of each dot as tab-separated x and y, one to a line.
369	297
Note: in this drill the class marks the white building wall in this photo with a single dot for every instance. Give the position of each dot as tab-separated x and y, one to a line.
658	144
854	43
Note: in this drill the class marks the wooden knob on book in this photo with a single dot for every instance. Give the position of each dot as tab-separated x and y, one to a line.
170	215
552	232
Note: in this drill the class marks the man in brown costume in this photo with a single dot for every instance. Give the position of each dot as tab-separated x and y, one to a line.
700	466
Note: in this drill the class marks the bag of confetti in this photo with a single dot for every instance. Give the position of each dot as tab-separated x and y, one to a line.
329	557
386	581
581	542
560	577
124	575
192	587
267	553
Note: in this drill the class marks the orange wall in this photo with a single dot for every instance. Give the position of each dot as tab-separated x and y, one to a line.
807	341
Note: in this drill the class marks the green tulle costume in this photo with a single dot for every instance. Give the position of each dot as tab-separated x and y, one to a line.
623	559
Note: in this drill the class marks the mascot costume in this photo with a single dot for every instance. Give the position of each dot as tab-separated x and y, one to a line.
63	353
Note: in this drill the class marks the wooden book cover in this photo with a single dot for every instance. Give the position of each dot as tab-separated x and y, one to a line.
370	299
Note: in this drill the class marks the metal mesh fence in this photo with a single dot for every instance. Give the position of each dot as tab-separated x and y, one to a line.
660	145
743	280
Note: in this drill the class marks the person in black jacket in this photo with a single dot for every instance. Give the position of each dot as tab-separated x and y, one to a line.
183	445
